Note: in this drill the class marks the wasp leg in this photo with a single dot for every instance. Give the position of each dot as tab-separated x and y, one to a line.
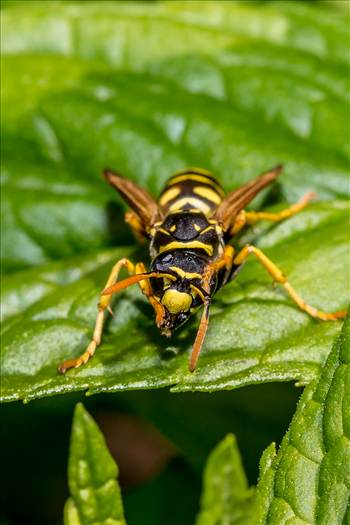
146	289
136	225
251	217
225	261
282	279
102	306
240	221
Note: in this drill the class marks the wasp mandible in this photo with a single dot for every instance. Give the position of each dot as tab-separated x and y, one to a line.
189	230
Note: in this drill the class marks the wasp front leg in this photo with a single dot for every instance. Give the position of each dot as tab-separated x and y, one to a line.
146	289
102	306
280	278
224	262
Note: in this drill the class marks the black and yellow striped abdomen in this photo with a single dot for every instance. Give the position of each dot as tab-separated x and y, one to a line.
187	202
191	189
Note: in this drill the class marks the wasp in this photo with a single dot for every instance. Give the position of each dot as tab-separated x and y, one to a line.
189	230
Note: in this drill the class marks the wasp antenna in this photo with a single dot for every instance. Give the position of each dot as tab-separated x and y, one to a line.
125	283
129	281
198	343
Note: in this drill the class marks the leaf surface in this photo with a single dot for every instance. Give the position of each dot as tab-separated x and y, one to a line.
256	333
81	93
95	494
258	85
307	481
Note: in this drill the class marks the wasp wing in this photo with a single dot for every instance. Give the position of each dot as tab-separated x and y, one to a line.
237	200
145	207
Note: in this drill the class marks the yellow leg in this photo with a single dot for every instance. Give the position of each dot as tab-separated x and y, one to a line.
102	306
251	217
146	289
240	221
225	261
136	225
282	279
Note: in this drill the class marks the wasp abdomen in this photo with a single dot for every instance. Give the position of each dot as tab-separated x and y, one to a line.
191	189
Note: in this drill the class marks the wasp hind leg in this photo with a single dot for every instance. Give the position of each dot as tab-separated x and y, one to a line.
282	279
100	318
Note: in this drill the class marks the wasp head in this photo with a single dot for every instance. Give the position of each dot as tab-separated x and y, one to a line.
177	308
181	294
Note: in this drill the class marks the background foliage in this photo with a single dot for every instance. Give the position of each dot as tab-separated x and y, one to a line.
306	481
148	89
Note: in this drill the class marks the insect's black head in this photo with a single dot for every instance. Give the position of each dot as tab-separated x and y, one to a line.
183	293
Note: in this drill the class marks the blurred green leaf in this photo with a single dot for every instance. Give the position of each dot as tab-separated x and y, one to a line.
307	481
256	333
226	498
95	494
171	497
124	33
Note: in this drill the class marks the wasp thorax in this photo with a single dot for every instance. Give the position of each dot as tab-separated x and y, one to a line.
176	302
185	225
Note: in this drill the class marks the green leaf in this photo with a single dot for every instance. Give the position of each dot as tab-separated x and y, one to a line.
307	481
226	498
256	333
229	105
149	88
95	494
108	30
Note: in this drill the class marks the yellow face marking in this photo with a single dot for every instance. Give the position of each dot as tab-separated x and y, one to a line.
166	283
185	275
207	193
170	194
188	245
163	230
173	228
176	302
197	203
207	229
197	228
197	178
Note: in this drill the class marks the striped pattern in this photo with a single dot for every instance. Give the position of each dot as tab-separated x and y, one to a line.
191	189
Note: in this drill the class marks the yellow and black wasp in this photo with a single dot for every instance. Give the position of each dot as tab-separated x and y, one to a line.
189	230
